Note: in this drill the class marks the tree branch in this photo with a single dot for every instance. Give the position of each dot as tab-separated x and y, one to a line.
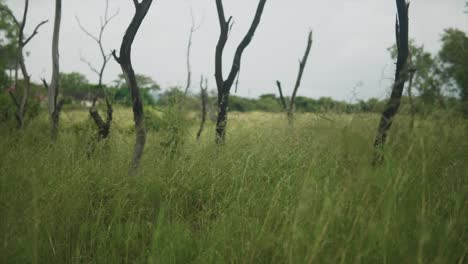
244	43
283	101
35	32
302	65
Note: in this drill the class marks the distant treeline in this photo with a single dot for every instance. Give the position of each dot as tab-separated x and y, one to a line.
77	90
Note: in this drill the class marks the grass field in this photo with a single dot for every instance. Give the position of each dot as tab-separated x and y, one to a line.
270	195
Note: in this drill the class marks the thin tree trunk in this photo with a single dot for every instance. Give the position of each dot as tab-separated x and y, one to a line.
141	9
193	28
401	75
224	85
302	63
204	102
54	106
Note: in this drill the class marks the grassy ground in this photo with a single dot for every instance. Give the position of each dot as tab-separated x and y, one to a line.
270	195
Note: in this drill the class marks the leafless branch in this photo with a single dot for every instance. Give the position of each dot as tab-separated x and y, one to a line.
283	101
35	32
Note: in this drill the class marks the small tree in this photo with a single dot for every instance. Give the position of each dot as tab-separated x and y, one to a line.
292	104
103	126
401	75
141	9
224	85
22	42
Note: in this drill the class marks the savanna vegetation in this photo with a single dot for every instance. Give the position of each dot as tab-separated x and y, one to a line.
125	173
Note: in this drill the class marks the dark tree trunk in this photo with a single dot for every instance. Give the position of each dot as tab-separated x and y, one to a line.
103	126
221	122
401	76
141	9
224	85
302	63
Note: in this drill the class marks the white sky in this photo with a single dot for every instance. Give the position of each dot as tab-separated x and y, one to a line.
351	38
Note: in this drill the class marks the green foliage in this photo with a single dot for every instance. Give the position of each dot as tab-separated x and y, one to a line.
454	55
8	46
122	95
144	82
268	196
75	85
7	108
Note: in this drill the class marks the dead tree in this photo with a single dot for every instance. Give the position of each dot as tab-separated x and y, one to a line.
21	104
53	89
224	85
193	29
204	103
141	9
292	104
401	75
103	126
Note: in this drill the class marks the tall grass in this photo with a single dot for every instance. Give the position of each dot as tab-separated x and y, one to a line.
270	195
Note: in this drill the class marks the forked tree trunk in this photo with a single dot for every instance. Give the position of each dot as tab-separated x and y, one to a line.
26	88
401	75
204	103
103	126
141	9
224	85
292	104
53	90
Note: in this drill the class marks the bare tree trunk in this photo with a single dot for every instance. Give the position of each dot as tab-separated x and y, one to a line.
103	126
204	103
224	86
53	90
193	29
141	9
302	63
401	76
22	103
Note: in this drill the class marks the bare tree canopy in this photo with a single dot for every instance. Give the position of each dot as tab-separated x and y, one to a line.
103	126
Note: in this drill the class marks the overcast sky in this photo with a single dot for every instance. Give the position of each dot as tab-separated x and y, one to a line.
351	38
